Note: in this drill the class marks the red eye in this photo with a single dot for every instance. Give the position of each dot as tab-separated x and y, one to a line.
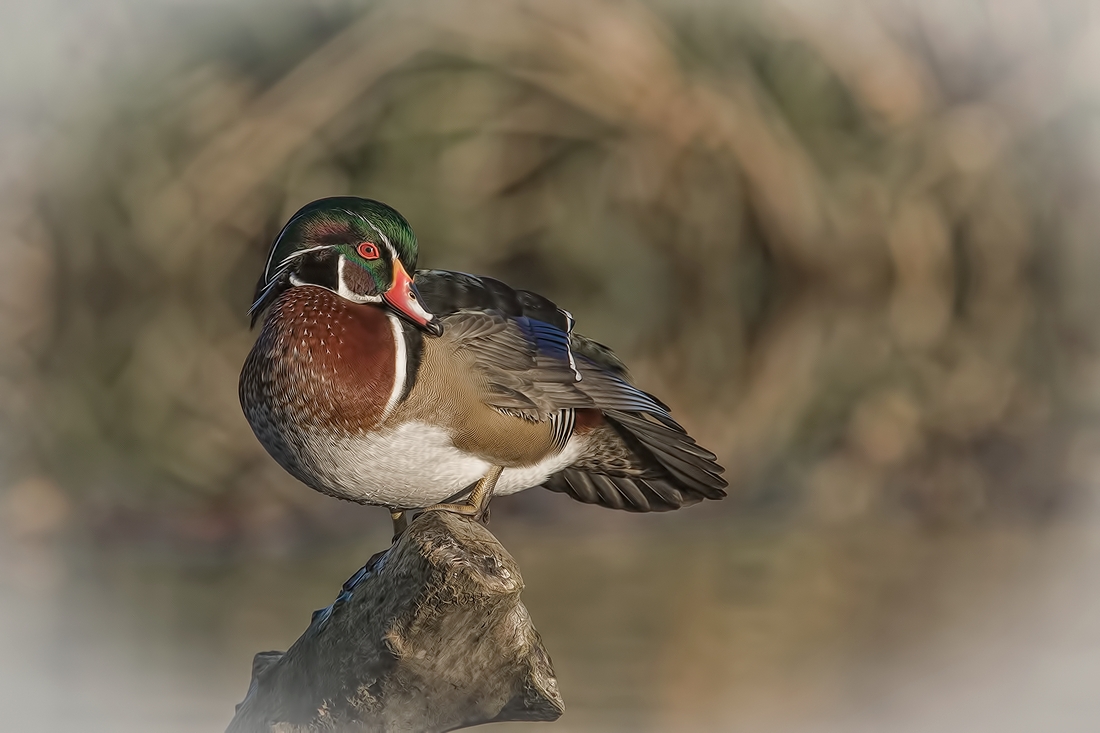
368	250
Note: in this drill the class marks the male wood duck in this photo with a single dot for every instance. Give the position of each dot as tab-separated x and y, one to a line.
411	391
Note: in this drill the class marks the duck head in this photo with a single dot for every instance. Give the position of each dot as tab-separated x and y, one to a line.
360	249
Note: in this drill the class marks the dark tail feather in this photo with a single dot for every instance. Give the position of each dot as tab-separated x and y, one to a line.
677	437
622	492
670	470
669	494
692	466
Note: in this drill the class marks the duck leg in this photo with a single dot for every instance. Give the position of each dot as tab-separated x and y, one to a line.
477	505
400	522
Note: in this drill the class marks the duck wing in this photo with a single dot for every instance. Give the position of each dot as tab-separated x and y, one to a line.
637	458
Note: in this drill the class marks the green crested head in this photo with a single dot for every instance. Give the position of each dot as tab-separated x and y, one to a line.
360	249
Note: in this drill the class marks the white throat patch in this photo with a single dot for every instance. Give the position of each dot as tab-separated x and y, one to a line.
345	292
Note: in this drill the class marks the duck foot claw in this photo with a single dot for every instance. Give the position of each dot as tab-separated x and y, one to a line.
466	510
400	523
478	505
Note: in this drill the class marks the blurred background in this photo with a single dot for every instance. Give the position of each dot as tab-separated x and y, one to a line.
852	243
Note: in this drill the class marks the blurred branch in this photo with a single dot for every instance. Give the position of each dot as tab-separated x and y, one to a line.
788	218
283	119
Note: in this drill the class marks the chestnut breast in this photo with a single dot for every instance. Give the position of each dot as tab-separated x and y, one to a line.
321	363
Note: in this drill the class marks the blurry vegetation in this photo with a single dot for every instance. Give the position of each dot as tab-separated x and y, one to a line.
851	243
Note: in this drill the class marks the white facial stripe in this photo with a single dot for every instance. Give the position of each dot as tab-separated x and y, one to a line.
273	280
267	289
291	256
383	237
342	288
267	266
400	366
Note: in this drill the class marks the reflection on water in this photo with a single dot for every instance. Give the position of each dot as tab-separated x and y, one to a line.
695	621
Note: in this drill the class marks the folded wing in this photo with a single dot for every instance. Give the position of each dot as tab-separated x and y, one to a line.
638	457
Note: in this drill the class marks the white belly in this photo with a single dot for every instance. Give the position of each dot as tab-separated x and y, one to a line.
416	465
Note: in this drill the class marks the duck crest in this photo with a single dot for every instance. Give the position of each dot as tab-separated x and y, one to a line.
322	363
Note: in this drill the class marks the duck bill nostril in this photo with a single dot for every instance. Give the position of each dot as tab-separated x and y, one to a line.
406	302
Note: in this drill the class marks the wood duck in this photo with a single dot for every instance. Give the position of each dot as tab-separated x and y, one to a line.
416	390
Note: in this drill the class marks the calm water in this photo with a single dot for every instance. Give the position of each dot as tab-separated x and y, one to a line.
694	621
